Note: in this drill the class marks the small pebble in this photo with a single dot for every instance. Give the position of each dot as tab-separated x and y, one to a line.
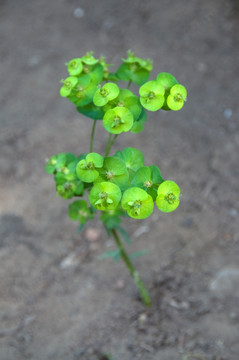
233	212
79	13
227	113
120	284
233	316
142	319
226	283
92	234
33	61
69	261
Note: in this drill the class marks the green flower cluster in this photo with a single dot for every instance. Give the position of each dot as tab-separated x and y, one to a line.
115	183
96	94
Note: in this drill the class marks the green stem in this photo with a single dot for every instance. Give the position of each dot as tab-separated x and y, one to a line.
92	135
142	290
108	148
129	83
108	143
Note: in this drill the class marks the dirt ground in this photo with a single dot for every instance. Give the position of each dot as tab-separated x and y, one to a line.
58	300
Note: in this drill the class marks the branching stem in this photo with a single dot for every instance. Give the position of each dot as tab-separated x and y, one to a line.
92	135
110	143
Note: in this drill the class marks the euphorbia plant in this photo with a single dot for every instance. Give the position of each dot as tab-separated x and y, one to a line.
121	184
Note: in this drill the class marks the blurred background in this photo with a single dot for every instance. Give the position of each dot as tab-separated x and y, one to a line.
58	300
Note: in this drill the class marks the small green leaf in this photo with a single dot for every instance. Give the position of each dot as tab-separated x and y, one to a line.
124	234
132	157
92	111
138	254
110	254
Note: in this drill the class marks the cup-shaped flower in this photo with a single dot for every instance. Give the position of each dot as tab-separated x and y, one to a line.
89	59
152	95
137	203
143	63
118	120
105	196
134	69
128	100
106	93
177	97
74	67
86	168
68	85
84	91
168	196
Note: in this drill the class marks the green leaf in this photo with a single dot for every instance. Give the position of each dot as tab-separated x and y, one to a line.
138	254
132	157
110	254
110	221
156	176
166	80
92	111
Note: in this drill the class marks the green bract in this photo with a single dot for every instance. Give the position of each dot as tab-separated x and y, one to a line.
74	67
86	168
133	158
68	85
167	80
168	196
84	91
126	99
105	196
114	170
152	95
137	203
79	211
148	179
103	95
146	64
177	97
118	120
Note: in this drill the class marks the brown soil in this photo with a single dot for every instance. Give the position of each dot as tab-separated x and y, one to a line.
58	300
